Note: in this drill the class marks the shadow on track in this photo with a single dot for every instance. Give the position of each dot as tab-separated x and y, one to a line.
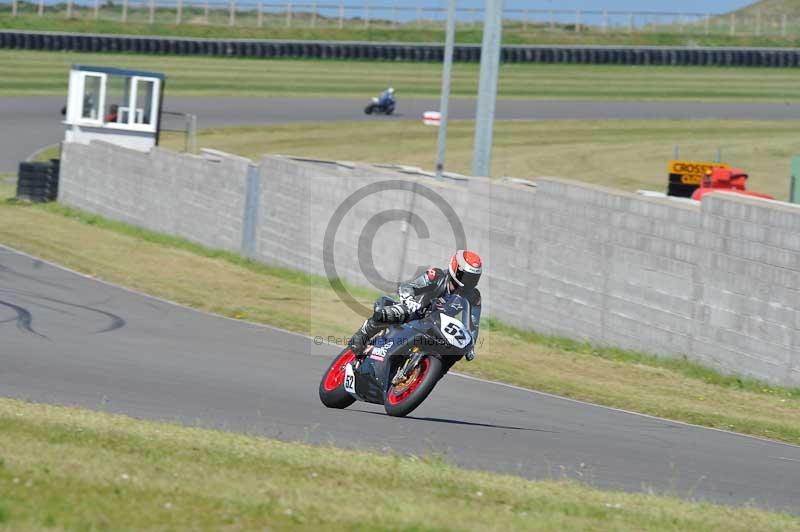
457	422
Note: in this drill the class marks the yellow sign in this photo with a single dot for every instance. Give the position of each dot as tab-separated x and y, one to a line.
692	172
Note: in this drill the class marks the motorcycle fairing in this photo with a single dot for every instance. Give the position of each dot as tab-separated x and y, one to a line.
387	351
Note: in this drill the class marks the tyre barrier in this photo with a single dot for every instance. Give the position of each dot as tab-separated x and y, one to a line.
38	182
603	55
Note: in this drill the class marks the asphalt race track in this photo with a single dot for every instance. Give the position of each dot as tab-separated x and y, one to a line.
29	123
68	339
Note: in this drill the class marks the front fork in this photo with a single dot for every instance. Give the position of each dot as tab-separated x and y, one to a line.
405	370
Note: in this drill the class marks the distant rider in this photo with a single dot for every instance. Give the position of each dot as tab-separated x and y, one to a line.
386	97
419	296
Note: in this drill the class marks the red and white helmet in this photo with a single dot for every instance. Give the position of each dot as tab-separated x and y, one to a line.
465	268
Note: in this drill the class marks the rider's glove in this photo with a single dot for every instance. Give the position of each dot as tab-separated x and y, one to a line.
469	356
392	314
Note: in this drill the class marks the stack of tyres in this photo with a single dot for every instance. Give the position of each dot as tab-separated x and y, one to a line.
38	181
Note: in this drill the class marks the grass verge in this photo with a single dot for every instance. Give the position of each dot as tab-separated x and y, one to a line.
29	73
623	154
67	468
226	284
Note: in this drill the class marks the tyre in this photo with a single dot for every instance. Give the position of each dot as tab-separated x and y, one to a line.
368	109
331	387
390	110
402	399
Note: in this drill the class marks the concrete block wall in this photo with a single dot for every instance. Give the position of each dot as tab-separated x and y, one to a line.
201	199
749	303
718	282
616	268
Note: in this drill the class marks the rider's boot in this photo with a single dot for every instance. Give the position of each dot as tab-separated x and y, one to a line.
397	313
359	340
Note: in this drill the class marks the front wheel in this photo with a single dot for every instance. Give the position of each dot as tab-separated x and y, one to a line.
403	398
331	387
368	109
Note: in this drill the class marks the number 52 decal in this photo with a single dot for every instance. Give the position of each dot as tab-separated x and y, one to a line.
455	332
349	379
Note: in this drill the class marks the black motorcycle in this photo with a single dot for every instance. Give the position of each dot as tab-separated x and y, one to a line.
401	365
381	106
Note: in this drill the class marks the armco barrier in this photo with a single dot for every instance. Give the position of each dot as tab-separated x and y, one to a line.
606	55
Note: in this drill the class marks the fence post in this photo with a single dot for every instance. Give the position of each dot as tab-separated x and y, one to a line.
525	21
794	185
41	8
341	14
605	21
232	14
261	14
577	21
394	15
758	22
733	23
193	133
552	20
289	15
14	8
444	102
314	14
783	25
124	11
630	22
708	24
152	12
178	12
69	9
205	12
366	15
250	214
419	17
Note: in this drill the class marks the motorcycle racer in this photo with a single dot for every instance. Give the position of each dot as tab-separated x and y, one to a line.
419	295
386	97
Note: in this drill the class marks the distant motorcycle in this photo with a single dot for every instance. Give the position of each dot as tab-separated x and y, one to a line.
383	104
401	366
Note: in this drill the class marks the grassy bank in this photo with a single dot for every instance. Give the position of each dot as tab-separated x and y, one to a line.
327	29
66	468
624	154
27	73
228	285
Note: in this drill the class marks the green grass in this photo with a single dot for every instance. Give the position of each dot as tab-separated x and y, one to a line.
514	32
45	73
73	469
623	154
226	284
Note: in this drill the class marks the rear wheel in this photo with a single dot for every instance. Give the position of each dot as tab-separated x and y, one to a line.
331	387
404	397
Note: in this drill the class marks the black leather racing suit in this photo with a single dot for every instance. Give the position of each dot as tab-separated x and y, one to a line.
416	299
